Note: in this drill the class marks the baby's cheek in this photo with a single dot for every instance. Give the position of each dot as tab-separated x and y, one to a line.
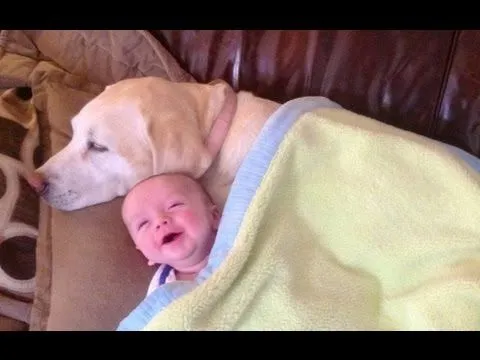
144	244
191	218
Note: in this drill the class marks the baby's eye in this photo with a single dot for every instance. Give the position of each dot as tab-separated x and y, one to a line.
141	224
175	204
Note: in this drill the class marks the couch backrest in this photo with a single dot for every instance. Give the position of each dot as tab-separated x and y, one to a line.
423	81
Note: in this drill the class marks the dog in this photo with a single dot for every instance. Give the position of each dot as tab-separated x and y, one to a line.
140	127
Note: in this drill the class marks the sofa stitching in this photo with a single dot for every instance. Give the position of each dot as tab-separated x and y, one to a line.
446	75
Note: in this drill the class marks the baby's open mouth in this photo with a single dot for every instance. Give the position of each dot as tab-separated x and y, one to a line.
170	237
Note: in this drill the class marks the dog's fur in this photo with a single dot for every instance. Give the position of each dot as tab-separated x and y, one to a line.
145	126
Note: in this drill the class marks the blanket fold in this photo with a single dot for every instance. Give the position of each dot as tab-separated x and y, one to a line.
336	221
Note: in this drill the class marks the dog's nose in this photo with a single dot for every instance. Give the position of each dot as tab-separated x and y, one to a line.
38	183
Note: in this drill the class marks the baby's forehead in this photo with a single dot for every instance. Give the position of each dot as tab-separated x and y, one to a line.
158	181
168	183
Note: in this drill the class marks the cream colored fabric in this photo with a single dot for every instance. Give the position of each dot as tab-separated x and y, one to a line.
356	225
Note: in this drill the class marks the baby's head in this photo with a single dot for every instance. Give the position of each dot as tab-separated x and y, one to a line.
172	220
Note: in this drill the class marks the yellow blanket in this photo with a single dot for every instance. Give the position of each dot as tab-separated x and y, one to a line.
355	225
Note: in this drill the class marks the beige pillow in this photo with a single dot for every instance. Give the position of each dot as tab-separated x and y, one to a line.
9	324
99	56
88	273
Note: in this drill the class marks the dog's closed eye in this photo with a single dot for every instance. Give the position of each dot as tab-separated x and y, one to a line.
91	145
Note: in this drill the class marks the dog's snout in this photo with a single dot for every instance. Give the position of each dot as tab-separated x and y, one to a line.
38	183
42	191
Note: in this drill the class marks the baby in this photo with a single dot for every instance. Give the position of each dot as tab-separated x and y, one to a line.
173	222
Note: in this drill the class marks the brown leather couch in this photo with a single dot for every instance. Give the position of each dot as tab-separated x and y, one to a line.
424	81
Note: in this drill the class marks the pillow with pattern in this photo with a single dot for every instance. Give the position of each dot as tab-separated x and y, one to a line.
19	206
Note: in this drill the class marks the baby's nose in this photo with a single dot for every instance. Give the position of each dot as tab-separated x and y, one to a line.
162	221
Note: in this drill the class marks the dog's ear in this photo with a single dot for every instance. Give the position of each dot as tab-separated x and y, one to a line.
178	147
184	145
218	95
221	109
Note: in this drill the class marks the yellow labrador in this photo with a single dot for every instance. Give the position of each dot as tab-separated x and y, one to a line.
145	126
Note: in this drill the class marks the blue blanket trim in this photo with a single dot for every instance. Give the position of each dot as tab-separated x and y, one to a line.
243	189
471	160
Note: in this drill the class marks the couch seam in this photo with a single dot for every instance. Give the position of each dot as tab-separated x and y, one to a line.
446	75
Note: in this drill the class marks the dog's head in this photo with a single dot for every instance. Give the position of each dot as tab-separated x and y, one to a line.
132	130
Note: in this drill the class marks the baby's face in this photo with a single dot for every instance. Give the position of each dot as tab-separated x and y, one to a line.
171	220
